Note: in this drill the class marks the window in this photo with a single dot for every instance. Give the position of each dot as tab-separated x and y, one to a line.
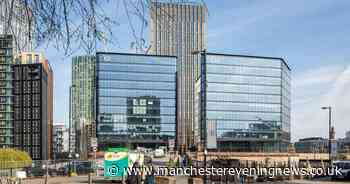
29	58
36	58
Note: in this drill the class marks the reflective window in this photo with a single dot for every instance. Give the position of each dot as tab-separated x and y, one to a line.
229	115
136	97
136	76
236	106
237	79
243	61
243	70
115	67
135	93
137	84
247	97
239	88
234	97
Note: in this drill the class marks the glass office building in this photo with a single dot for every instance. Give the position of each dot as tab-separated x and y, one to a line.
136	99
246	99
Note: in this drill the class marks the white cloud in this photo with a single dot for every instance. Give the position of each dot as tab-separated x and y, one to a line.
323	86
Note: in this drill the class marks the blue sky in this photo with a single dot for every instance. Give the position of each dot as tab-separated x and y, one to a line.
313	36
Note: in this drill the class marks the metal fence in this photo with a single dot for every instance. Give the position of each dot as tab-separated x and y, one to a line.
42	168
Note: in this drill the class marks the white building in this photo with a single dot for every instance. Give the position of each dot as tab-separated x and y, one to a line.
60	138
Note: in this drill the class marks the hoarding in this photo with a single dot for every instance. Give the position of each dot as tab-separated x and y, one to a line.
116	161
211	134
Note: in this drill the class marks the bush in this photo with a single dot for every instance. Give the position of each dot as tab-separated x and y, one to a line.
11	158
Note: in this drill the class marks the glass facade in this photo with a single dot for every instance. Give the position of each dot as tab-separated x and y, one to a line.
248	98
82	103
6	109
136	99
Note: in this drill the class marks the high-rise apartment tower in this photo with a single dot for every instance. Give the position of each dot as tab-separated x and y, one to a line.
179	29
82	103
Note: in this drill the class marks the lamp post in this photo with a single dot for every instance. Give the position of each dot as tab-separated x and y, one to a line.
70	118
329	108
75	163
69	166
203	53
205	164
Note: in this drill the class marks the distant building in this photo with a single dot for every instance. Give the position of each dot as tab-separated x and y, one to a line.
179	28
32	105
312	145
82	123
344	143
136	100
242	103
60	140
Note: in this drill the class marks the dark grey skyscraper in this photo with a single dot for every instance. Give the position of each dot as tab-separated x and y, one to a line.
179	29
30	109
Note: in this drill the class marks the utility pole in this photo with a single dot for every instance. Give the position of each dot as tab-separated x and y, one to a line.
47	172
329	108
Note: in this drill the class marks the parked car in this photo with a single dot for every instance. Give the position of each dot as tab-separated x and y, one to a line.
84	168
158	153
35	171
345	170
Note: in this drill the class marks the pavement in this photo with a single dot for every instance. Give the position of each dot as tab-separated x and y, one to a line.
179	180
84	179
316	181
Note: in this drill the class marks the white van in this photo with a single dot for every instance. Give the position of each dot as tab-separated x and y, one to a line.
158	153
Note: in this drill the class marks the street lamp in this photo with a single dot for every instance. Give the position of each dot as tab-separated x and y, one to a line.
70	164
329	108
75	163
70	117
205	164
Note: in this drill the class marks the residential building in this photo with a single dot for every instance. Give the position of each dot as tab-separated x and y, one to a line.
6	112
312	145
136	100
31	106
16	30
242	103
178	28
20	96
60	140
83	103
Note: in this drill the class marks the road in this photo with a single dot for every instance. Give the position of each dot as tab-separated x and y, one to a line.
179	180
83	179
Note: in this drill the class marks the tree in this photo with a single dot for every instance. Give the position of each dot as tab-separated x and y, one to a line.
11	158
84	23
